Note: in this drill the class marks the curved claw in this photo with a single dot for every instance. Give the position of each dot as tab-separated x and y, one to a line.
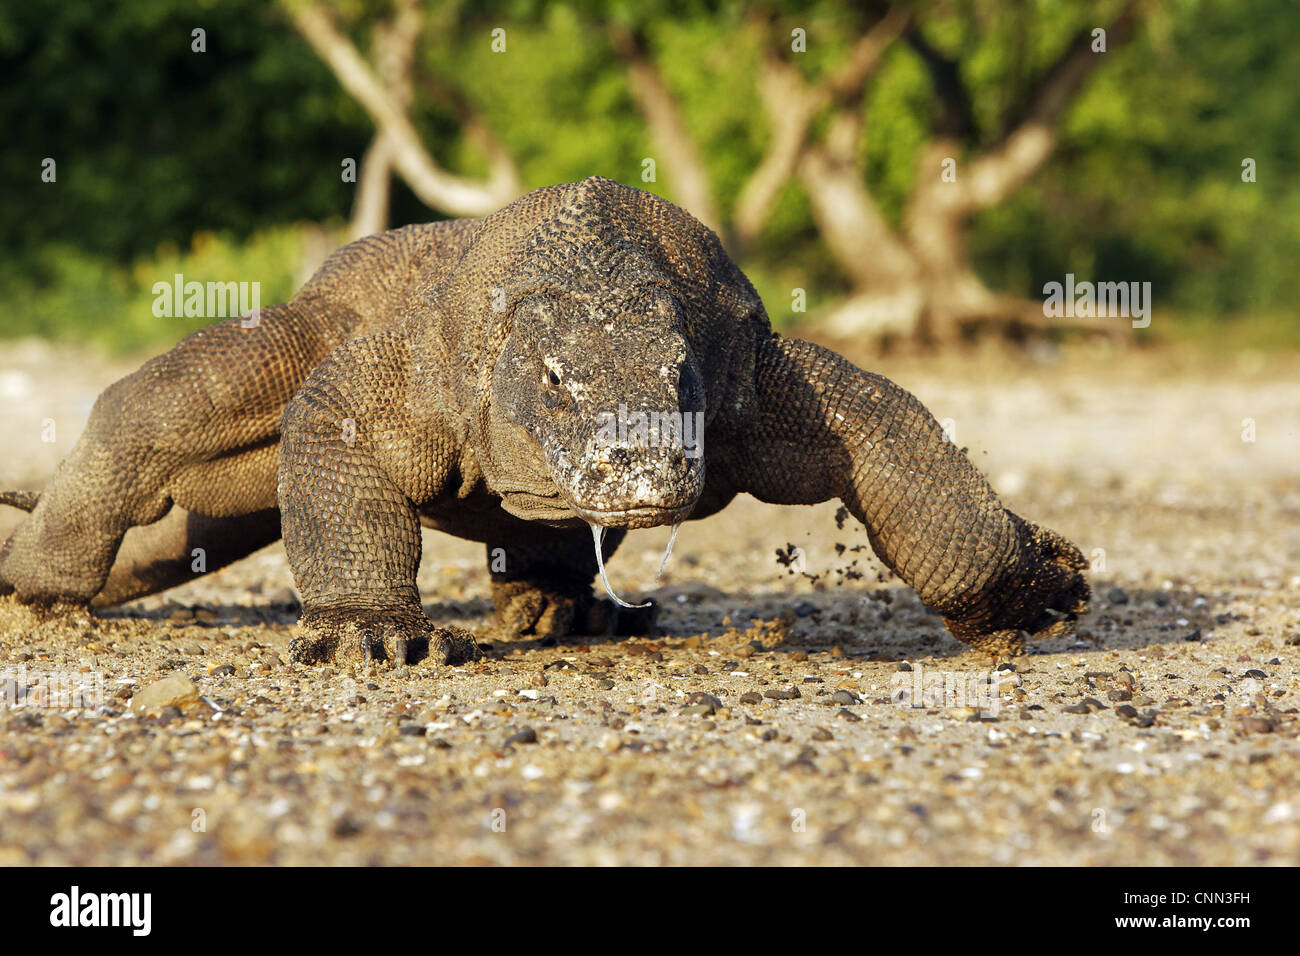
1045	597
24	500
350	636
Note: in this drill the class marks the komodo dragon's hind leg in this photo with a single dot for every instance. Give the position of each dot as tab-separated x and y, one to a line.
190	438
179	548
175	549
826	429
544	590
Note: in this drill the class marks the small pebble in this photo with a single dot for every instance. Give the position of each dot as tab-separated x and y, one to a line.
782	693
708	700
174	691
1256	725
167	714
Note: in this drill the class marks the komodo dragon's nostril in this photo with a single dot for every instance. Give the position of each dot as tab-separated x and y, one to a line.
608	458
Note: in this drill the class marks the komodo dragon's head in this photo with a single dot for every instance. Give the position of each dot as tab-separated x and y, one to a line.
606	393
601	328
592	394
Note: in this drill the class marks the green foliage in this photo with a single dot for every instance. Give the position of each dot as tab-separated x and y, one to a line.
160	148
1147	181
154	142
76	295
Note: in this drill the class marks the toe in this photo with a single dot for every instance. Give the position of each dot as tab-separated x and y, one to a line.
453	645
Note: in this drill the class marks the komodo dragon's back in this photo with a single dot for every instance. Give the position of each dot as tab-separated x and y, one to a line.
375	278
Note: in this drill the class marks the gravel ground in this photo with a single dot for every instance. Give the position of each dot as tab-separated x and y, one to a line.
784	715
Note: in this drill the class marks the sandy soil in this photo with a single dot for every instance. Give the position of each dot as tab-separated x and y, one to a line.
771	722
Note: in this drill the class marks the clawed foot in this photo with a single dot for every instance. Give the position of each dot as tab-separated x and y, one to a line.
528	613
358	637
1044	597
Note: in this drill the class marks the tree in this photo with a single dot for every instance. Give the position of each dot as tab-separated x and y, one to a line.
385	94
911	277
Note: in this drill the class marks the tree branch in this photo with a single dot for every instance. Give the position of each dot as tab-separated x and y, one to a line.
394	52
958	120
857	236
848	78
992	177
439	189
1061	81
501	164
667	127
791	105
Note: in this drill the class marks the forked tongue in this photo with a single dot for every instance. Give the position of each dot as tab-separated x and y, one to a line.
598	536
664	563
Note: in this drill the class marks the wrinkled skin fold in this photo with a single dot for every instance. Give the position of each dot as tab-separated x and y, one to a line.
461	376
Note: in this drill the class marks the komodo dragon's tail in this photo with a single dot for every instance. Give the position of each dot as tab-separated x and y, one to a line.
25	500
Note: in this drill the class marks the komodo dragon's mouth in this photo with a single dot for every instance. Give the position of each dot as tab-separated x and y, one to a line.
557	510
648	516
553	508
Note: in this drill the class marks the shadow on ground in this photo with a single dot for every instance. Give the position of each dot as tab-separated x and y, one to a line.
881	624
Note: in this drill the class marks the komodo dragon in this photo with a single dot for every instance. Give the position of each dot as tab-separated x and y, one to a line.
462	375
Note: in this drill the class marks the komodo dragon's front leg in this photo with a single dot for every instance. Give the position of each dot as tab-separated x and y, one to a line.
542	589
355	458
826	429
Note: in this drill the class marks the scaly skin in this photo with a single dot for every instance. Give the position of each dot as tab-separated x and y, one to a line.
458	375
